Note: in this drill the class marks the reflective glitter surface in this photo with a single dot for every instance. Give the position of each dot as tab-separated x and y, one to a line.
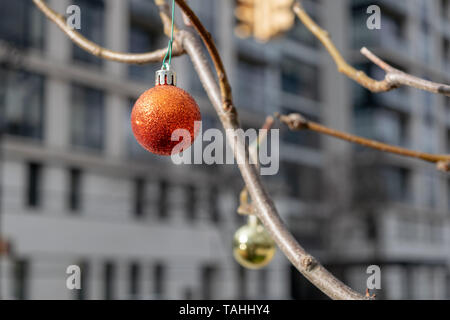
253	248
158	112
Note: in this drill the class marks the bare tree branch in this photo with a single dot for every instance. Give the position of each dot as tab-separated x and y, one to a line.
96	50
297	122
225	88
394	78
397	76
221	99
265	208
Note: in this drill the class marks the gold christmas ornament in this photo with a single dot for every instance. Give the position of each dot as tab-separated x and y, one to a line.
253	248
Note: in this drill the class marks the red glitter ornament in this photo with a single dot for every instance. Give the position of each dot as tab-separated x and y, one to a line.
160	111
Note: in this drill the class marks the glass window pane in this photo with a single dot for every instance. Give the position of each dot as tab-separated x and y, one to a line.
92	27
21	103
21	24
87	117
143	39
251	83
300	79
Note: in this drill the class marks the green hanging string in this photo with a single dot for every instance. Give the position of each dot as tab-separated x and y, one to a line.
169	48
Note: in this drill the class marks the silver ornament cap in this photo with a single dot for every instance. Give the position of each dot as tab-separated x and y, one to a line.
166	76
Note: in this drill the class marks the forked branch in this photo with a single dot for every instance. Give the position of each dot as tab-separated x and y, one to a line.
394	78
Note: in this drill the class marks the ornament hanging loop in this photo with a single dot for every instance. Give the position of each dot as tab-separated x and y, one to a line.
166	76
169	47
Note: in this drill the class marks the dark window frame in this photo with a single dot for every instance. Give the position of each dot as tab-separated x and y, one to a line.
34	185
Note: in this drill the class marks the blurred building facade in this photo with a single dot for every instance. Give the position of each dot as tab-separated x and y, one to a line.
77	189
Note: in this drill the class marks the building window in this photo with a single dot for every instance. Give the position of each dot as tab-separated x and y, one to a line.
431	191
74	196
20	276
139	197
190	203
251	83
382	124
143	38
145	34
263	283
21	24
213	204
206	11
144	10
304	182
446	53
445	11
162	201
188	293
310	184
21	103
158	280
396	184
109	275
93	29
135	281
392	36
241	283
209	274
34	185
87	119
448	141
300	79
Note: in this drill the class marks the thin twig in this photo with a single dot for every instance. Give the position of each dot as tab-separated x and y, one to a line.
394	78
96	50
343	67
296	121
397	76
